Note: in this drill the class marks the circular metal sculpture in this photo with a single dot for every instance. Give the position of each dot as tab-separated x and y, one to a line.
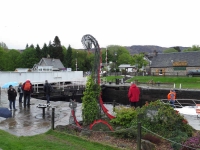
88	42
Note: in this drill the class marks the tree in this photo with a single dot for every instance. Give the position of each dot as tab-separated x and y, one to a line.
38	51
45	51
138	60
26	45
69	57
28	58
170	50
11	62
2	59
32	46
3	45
193	48
56	42
177	48
124	59
57	49
90	111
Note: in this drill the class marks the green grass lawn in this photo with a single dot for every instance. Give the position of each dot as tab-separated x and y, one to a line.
51	140
186	82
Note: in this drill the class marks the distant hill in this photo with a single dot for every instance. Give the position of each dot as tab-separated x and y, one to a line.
135	49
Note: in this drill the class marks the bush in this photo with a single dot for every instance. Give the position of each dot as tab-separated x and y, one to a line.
193	142
126	133
157	117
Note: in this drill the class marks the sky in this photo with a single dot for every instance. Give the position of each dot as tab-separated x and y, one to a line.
165	23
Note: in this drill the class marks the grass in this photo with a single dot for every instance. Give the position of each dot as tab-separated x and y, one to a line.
186	82
51	140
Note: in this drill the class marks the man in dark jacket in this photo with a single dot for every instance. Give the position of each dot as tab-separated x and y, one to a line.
47	91
133	95
28	89
12	94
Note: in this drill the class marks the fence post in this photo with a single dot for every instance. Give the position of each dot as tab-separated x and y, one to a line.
139	136
52	118
114	103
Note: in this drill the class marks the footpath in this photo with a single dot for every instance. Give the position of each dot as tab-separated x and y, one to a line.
30	121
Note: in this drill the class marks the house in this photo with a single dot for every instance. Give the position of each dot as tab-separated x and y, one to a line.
23	70
128	67
49	64
178	63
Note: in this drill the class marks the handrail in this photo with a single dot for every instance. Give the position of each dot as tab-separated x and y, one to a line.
180	104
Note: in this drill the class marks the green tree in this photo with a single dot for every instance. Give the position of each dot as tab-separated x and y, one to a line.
3	45
114	51
38	51
45	51
69	57
32	46
57	49
193	48
90	108
170	50
2	59
27	46
124	59
11	62
138	60
56	42
28	58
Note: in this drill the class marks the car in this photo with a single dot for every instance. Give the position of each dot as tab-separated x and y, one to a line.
193	72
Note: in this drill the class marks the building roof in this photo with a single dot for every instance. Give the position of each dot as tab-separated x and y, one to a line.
56	63
167	59
126	66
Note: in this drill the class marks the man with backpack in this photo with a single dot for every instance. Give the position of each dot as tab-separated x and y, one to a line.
47	91
28	89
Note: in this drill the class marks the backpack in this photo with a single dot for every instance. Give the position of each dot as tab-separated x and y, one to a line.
49	88
27	86
18	90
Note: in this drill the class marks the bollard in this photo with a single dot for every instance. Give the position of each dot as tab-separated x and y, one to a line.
139	136
52	118
114	103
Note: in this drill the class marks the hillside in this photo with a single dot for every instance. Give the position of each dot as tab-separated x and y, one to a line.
135	49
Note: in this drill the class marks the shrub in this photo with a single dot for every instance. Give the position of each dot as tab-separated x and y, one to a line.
193	142
124	116
90	110
126	133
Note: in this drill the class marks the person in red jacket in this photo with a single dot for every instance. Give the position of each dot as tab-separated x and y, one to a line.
27	89
133	95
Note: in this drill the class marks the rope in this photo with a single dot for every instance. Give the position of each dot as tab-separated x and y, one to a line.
102	131
168	139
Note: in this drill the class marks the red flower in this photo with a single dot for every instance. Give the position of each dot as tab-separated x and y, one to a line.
176	111
184	121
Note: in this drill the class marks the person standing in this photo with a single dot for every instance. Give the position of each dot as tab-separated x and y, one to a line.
171	97
133	95
20	91
12	94
47	91
28	89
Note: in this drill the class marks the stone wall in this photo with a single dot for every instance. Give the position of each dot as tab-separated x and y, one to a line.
119	94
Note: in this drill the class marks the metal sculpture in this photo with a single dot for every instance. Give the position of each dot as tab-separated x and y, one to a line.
88	42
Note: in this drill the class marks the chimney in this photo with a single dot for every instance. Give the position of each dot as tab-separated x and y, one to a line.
155	53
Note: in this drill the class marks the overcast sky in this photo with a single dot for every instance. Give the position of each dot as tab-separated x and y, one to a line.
112	22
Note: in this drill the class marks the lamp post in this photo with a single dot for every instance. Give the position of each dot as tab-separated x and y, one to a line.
76	61
115	62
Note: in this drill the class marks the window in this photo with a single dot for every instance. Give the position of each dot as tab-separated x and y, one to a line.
179	68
